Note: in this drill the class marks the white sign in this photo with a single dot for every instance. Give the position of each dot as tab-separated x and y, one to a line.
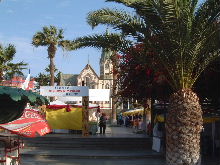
94	95
64	91
99	94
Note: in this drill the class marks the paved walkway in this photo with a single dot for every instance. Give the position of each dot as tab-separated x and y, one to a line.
114	131
82	156
111	132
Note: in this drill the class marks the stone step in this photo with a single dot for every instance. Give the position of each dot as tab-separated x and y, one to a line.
110	143
84	147
86	139
88	154
70	161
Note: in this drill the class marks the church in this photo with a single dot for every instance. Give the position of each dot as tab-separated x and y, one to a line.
92	79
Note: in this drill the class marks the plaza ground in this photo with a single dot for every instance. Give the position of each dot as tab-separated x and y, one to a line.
119	146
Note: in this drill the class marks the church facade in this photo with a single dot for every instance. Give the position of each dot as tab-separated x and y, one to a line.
91	79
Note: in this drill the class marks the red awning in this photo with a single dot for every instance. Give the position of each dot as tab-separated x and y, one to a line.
30	124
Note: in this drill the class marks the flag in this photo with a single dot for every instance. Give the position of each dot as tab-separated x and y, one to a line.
26	82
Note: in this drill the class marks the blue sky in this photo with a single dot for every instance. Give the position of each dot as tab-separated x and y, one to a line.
21	19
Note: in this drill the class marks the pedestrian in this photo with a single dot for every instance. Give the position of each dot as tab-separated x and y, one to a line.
102	123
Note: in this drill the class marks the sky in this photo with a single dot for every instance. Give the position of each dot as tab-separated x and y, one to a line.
21	19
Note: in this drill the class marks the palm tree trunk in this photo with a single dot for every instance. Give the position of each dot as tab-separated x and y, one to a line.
51	71
183	127
51	55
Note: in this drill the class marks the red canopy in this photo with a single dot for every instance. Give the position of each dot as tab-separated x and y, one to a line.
30	124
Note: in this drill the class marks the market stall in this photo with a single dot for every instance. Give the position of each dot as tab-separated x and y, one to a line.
63	118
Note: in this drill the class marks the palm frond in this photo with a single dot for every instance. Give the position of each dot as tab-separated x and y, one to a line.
48	35
119	20
113	41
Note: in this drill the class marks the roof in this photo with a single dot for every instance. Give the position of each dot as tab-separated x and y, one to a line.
68	79
88	67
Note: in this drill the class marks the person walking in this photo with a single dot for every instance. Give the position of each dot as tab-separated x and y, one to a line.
102	123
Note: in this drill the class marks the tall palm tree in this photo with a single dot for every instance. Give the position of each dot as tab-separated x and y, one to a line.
51	37
7	68
185	39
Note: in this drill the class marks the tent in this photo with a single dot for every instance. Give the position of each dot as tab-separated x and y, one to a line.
57	102
69	116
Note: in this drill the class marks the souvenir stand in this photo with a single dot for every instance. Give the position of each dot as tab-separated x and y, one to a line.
66	116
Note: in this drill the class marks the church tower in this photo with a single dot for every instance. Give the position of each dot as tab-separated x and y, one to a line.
106	65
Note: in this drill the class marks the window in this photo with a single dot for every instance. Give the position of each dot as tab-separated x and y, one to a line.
87	81
106	66
107	86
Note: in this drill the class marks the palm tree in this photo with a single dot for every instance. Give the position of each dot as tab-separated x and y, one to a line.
185	39
7	68
51	37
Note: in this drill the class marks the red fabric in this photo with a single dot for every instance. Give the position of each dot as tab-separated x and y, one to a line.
68	107
55	107
30	124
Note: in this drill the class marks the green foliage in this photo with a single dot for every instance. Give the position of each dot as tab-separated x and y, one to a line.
185	38
17	94
43	79
14	100
51	37
7	68
113	41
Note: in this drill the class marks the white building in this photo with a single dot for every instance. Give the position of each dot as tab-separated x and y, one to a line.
92	80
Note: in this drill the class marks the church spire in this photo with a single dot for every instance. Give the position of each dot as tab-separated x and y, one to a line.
88	58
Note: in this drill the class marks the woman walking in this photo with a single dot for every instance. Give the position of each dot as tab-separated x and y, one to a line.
102	123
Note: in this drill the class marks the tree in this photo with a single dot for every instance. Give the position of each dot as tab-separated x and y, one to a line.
184	37
51	37
7	68
43	79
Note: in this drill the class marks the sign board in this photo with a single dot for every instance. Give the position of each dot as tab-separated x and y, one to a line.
99	94
94	95
64	91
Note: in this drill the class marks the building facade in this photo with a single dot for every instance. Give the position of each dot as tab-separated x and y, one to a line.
91	79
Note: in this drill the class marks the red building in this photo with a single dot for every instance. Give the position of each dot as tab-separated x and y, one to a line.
17	82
